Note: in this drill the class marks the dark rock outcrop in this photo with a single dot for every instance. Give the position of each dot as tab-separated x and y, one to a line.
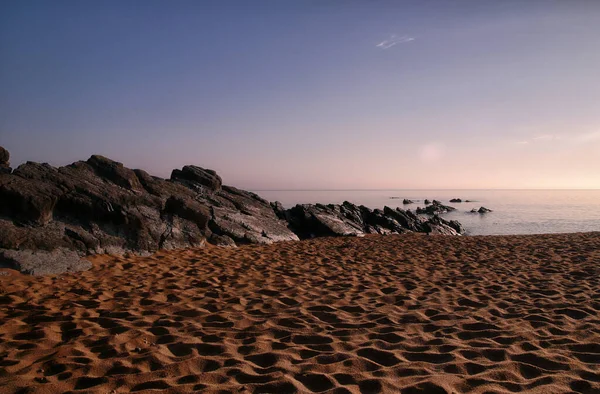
427	202
197	178
317	220
481	210
4	161
52	217
406	201
100	206
456	200
435	208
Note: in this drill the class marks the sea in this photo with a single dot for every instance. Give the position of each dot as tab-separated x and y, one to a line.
514	211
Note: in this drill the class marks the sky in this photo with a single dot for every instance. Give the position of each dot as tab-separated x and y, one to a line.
313	94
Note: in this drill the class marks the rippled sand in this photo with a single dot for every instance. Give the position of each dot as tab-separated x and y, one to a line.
392	314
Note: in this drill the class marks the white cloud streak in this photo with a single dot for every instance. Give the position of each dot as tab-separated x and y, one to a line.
563	138
394	40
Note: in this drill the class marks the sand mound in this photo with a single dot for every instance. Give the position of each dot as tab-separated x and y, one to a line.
409	314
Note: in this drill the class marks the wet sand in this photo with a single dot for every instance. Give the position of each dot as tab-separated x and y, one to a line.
380	314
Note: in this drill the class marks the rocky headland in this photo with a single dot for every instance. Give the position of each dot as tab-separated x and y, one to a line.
51	217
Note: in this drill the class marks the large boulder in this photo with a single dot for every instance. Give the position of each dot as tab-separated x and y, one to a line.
197	178
309	221
114	172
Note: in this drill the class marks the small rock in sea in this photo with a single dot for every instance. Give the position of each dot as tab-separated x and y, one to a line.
435	207
407	201
427	202
481	210
394	198
456	200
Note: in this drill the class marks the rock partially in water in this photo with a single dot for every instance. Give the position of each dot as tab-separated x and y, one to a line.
317	220
435	208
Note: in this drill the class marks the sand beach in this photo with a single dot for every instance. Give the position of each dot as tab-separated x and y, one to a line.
378	314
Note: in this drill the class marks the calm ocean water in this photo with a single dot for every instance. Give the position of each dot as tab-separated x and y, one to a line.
515	211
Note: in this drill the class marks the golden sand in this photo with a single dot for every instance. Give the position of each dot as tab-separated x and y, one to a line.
407	313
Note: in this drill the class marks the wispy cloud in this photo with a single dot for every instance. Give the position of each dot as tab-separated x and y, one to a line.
546	137
563	138
394	40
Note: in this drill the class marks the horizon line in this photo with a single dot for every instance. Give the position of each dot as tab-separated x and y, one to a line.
423	189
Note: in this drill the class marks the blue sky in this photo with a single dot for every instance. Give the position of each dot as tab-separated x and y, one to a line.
310	94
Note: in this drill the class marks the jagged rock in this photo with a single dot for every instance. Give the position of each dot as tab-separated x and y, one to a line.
456	200
434	208
115	172
309	221
407	201
100	206
4	161
279	210
348	219
189	209
456	225
437	225
427	202
195	177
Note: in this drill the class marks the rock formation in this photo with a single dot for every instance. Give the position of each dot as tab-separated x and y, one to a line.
456	200
4	161
50	217
317	220
406	201
481	210
435	208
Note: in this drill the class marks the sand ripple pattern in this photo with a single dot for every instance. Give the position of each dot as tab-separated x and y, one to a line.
395	314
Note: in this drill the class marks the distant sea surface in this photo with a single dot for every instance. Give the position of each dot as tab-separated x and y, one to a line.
514	211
